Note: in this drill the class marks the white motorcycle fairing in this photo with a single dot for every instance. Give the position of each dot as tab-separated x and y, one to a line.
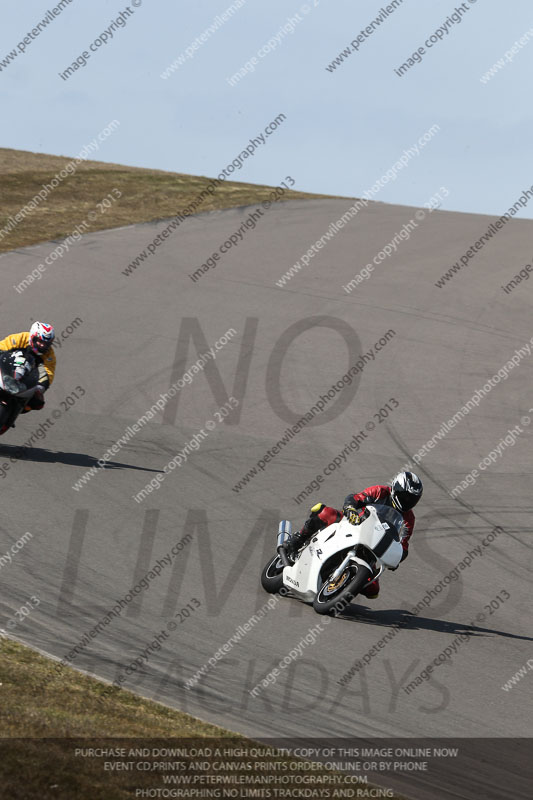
304	578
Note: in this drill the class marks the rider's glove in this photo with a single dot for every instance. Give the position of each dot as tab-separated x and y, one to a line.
21	365
350	512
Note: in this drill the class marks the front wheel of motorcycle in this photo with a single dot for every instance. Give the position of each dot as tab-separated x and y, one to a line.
5	418
334	596
272	576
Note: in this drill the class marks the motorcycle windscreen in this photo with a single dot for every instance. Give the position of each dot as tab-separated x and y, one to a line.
23	387
392	517
10	385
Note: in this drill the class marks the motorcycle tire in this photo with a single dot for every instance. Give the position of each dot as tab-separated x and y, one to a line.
333	598
272	576
5	418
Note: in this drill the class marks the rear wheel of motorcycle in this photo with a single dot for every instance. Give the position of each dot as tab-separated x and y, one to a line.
272	576
333	597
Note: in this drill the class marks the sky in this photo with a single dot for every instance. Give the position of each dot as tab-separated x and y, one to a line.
343	129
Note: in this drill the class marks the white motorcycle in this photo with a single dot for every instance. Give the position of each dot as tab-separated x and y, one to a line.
333	567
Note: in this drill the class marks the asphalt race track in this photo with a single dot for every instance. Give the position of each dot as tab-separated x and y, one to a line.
142	332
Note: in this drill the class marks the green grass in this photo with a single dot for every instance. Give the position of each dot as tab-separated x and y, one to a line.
146	195
41	727
35	722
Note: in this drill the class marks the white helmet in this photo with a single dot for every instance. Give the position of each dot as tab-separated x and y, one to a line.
42	336
406	490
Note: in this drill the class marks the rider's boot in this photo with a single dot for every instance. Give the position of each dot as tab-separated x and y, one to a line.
297	541
309	528
371	590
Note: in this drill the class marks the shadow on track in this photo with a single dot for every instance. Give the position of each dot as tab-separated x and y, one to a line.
408	621
60	457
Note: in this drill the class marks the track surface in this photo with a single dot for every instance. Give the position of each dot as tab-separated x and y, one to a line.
91	546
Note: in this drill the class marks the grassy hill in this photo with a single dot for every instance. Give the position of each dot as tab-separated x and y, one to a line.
146	195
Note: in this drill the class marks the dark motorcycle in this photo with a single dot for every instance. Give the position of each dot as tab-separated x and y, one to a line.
15	394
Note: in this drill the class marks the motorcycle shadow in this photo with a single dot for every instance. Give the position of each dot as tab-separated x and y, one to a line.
21	453
405	620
